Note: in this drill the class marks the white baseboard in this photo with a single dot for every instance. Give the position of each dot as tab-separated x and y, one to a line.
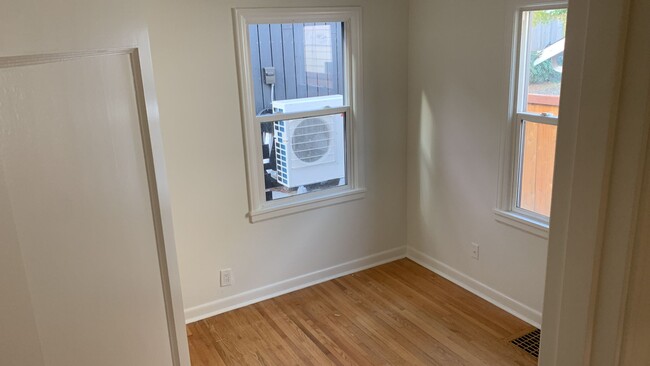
213	308
512	306
481	290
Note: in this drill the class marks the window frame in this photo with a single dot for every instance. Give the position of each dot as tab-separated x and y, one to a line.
259	208
510	172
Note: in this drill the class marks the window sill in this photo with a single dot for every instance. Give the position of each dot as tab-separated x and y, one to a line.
307	204
521	222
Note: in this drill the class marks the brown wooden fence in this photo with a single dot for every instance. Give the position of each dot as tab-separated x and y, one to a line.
539	157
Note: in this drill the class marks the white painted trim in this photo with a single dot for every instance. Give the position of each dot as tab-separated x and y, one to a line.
536	118
249	297
522	222
625	123
46	58
160	200
351	18
277	15
316	200
510	305
589	110
256	295
298	115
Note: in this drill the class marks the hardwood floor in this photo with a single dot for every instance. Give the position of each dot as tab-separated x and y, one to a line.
396	314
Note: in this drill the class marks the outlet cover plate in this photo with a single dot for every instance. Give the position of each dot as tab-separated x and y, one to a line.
226	277
475	251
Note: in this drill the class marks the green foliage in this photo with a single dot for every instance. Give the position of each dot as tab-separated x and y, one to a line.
547	16
542	73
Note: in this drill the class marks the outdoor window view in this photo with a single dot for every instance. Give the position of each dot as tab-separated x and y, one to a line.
540	73
298	69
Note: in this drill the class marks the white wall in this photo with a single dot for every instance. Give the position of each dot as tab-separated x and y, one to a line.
195	69
458	102
457	105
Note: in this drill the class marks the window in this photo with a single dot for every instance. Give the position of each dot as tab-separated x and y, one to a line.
539	51
300	90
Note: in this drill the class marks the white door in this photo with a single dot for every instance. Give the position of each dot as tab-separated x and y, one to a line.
87	265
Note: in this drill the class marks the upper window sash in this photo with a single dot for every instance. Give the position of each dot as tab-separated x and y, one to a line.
245	17
521	31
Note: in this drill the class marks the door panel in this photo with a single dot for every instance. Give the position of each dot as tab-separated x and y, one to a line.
19	343
75	172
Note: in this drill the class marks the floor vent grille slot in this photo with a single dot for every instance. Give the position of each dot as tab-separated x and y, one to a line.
529	342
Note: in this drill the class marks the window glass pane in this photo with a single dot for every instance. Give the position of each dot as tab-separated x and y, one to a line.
303	155
544	49
537	160
297	66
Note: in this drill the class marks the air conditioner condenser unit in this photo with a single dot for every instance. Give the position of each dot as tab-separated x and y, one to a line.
312	149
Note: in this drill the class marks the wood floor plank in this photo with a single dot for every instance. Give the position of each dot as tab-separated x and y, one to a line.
395	314
424	328
404	331
458	329
290	334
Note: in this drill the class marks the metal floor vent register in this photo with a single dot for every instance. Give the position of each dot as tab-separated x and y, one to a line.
529	342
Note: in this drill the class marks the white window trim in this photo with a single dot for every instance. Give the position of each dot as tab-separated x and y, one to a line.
259	208
506	210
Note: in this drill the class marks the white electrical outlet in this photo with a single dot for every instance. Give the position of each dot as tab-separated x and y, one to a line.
475	251
226	277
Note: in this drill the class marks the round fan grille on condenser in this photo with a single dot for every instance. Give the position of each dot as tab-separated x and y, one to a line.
311	139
